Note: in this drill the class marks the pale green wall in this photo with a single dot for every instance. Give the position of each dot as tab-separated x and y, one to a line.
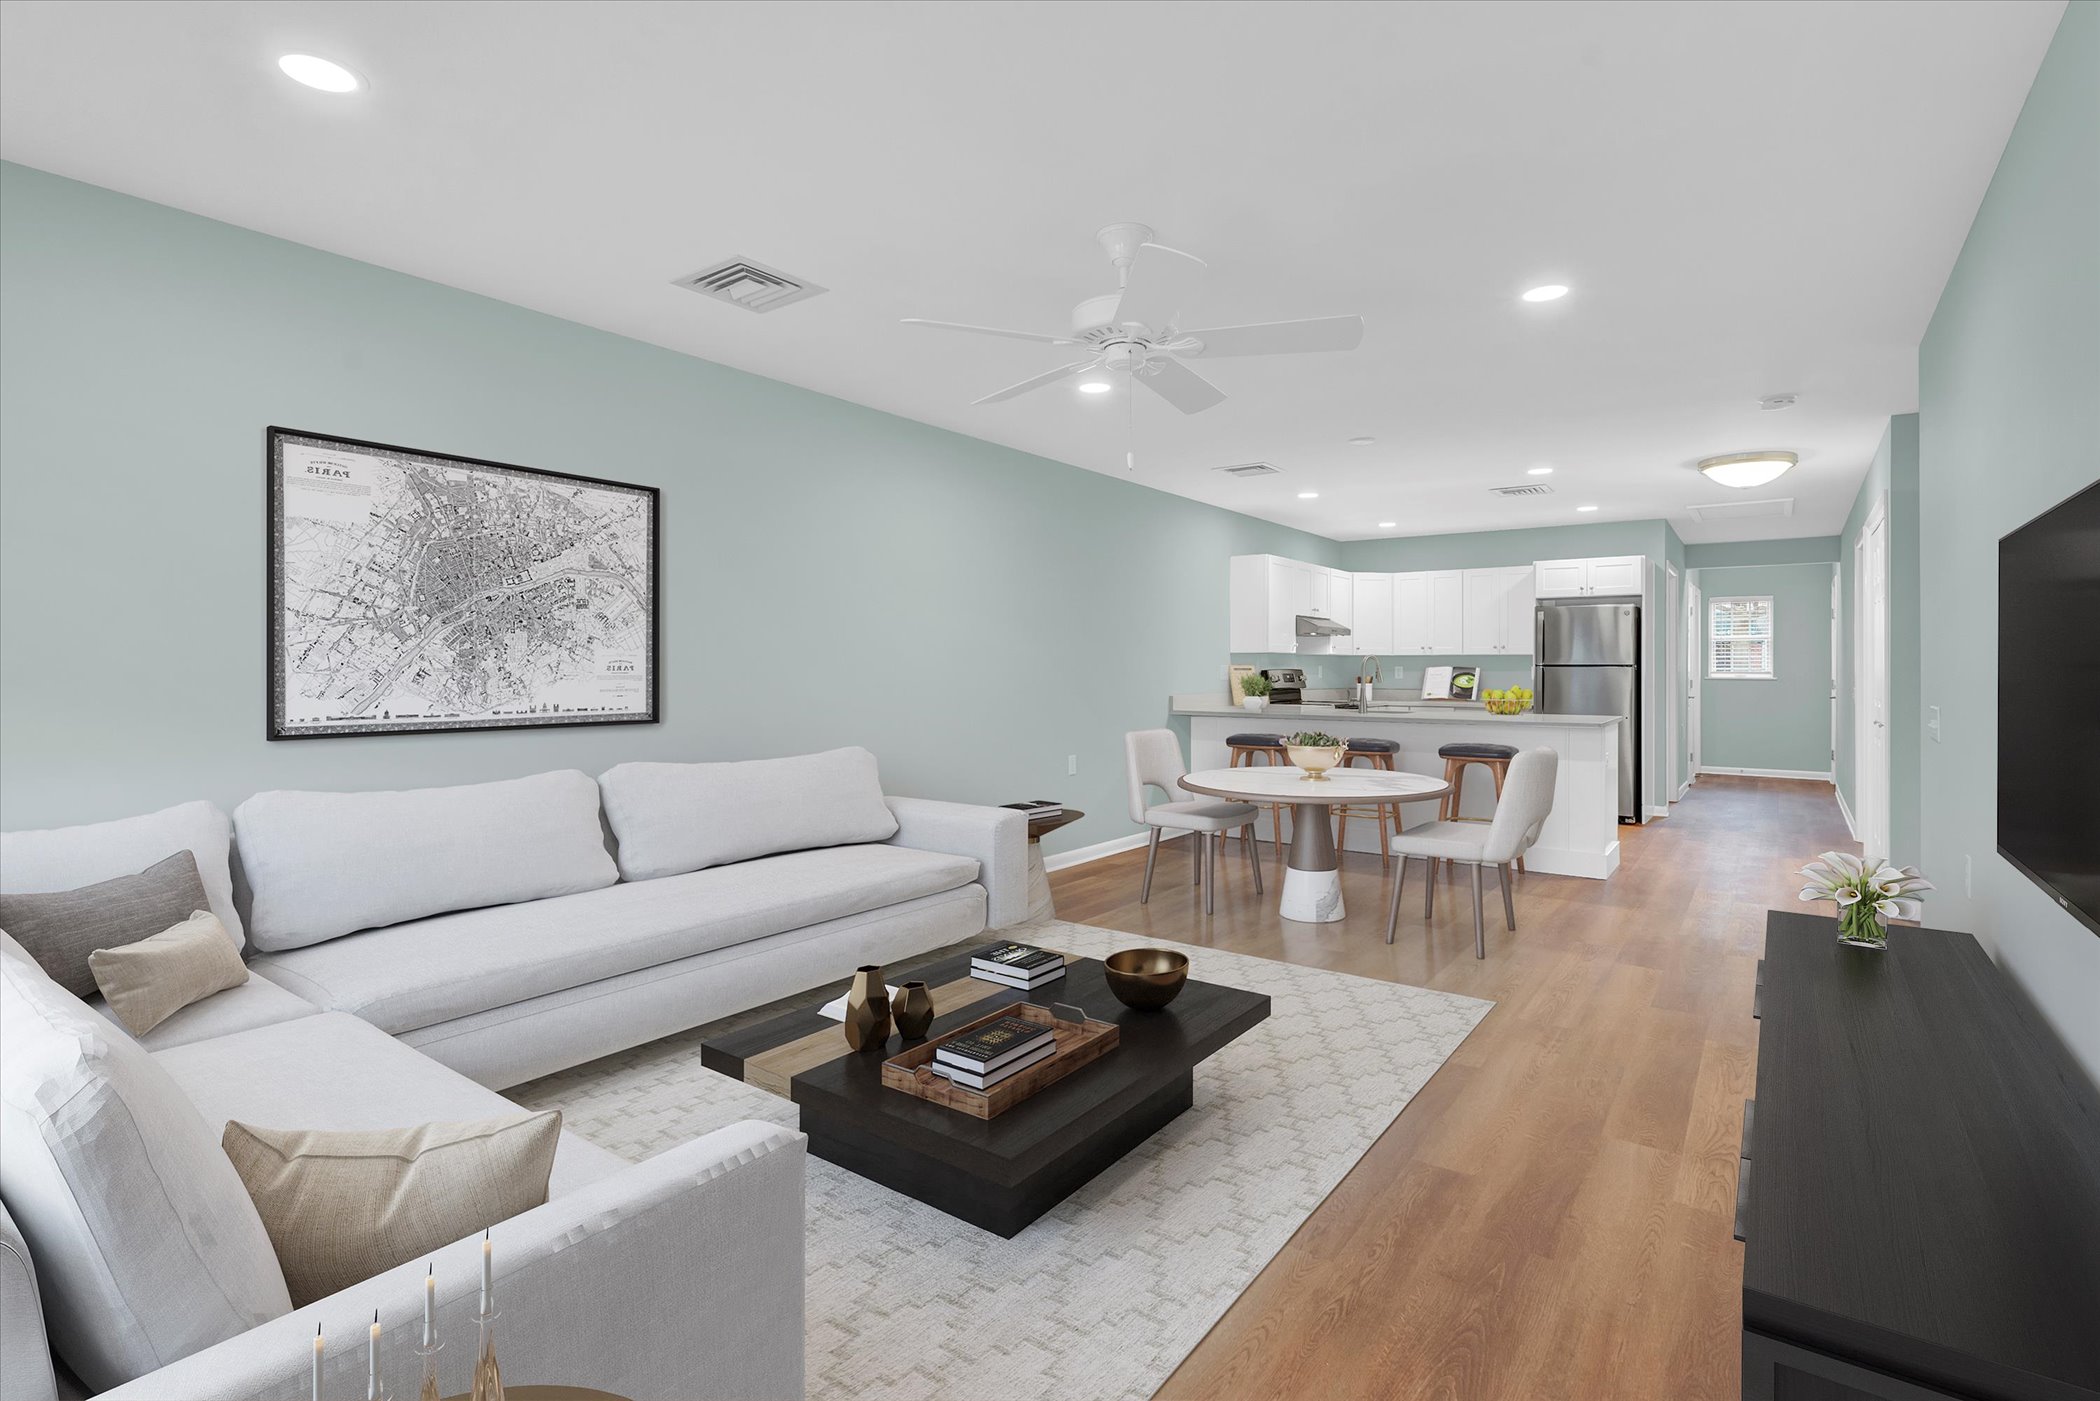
2009	425
1783	723
1893	478
831	575
1815	549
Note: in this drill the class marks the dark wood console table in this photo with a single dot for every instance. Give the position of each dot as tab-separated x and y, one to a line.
1920	1204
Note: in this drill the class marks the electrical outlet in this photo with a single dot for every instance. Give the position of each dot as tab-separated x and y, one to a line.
1968	877
1071	765
1932	722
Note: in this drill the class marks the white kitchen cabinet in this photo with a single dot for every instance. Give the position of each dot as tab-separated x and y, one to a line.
1341	603
1606	576
1428	613
1374	615
1498	611
1267	593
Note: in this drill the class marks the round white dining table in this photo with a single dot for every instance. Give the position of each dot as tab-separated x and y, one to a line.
1312	879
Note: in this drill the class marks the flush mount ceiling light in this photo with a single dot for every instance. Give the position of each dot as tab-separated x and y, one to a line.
1095	386
1538	471
1585	508
1772	402
1747	469
1363	442
1308	496
319	73
1551	292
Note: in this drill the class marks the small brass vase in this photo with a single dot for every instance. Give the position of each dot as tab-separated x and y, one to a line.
868	1010
914	1011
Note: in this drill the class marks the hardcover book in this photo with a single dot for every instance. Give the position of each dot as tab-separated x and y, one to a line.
993	1042
1016	958
973	1081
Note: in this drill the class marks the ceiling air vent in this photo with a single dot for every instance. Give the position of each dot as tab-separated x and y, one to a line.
1251	469
1741	510
1528	489
752	286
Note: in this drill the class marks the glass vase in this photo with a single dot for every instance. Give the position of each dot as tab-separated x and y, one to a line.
488	1380
427	1389
1860	927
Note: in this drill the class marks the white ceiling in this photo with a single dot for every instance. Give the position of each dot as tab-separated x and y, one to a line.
1747	199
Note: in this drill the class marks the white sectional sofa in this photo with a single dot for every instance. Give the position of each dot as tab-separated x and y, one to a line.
416	952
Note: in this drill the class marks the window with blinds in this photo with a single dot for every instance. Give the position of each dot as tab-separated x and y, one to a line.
1739	638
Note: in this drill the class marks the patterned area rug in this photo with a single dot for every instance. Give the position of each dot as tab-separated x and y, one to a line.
1106	1294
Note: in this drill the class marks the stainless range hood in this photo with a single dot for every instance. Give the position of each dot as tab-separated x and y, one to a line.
1317	625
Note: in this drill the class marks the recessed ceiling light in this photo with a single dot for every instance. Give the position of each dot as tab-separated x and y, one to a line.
1387	525
1094	386
1362	442
1538	471
1308	495
1747	469
1585	508
1551	292
319	73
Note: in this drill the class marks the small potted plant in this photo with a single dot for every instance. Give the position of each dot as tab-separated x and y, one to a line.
1254	691
1313	752
1867	892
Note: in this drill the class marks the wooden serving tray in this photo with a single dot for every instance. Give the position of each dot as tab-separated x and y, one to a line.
1078	1044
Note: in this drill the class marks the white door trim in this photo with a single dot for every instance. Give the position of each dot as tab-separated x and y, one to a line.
1870	680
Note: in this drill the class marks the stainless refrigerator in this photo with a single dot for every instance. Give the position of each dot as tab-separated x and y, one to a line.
1589	663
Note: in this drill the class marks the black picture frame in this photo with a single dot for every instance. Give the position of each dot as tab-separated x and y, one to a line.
277	727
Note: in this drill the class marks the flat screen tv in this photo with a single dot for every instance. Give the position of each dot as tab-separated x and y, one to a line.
2049	703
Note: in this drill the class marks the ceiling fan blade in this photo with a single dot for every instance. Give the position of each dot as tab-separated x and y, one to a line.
1181	386
1279	337
1047	377
1160	280
989	331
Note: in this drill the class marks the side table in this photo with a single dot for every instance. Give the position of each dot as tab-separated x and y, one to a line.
1040	905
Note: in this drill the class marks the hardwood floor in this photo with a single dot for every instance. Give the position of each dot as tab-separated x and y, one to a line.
1552	1215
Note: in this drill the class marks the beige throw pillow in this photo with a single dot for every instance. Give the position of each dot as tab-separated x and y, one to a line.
341	1207
147	982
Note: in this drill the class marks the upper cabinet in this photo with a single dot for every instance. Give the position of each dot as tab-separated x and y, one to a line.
1608	576
1268	592
1373	622
1498	611
1429	613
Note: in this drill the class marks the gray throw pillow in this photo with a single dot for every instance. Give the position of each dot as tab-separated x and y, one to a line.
60	928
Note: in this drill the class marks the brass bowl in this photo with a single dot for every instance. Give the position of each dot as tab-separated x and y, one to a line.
1147	979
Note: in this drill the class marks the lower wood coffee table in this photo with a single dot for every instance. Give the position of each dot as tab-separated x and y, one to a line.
1000	1173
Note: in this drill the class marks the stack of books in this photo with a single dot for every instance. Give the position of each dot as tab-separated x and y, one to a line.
994	1052
1017	965
1038	808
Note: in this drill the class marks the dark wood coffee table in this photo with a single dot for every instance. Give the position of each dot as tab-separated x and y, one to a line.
1000	1173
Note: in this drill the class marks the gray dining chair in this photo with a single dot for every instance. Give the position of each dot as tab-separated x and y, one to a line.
1152	759
1526	802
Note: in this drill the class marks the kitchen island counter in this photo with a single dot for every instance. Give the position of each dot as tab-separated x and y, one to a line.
1579	838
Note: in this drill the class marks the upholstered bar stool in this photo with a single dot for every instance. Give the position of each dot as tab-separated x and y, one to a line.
1243	750
1460	757
1378	754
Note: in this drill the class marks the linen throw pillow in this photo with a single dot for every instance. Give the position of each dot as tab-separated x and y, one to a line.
61	928
320	865
674	818
147	1249
341	1207
147	982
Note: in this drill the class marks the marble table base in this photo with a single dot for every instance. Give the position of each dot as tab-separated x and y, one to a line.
1312	884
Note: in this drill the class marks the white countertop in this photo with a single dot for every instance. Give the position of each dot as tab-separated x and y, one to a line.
1405	712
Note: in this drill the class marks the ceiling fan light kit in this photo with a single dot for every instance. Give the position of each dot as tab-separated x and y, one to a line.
1743	470
1136	330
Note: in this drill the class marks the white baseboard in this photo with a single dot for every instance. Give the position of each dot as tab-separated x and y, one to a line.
1683	788
1850	826
1824	777
1080	855
1659	810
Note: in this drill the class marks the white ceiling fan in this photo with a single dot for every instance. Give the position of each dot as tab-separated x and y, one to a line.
1137	331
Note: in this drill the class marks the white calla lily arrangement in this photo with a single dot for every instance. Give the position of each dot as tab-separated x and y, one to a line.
1867	891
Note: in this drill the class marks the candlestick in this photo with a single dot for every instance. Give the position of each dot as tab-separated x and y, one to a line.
488	1276
317	1362
372	1361
430	1306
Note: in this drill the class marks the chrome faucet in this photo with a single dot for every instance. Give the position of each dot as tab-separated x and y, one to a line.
1367	680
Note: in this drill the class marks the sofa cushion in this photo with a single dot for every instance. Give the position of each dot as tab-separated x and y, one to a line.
145	983
257	1002
674	818
335	1072
66	858
25	1353
321	865
415	975
147	1247
62	929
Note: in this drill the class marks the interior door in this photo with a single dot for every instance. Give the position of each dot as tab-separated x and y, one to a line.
1674	591
1694	669
1871	681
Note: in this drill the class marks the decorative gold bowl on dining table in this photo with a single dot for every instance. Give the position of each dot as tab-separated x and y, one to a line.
1314	760
1147	979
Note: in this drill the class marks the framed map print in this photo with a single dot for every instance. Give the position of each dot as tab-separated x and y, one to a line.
413	591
